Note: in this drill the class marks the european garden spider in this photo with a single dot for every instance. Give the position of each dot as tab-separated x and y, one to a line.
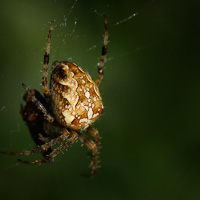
71	105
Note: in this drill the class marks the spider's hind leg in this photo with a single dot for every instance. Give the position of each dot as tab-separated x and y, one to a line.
94	146
95	133
64	135
56	151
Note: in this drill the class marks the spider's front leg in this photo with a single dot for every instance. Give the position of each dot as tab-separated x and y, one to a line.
38	104
46	90
104	53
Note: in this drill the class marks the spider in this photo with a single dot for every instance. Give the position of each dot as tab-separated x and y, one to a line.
71	105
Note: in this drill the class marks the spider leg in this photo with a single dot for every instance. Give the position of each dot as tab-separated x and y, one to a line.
39	104
73	137
103	55
65	134
95	152
43	139
95	133
46	90
55	152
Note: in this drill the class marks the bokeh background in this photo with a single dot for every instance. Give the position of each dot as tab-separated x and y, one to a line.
151	90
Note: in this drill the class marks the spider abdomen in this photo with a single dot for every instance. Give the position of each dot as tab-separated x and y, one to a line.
76	99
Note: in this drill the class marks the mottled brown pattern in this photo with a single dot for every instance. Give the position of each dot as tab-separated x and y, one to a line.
72	104
68	82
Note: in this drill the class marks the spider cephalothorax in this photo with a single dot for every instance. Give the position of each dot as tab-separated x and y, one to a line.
71	105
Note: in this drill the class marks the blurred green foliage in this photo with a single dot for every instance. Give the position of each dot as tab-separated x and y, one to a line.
151	92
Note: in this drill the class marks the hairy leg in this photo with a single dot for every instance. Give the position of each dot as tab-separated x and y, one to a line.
55	152
103	55
38	104
46	90
95	152
64	134
95	133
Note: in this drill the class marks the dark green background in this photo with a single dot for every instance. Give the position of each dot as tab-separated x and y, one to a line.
151	91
